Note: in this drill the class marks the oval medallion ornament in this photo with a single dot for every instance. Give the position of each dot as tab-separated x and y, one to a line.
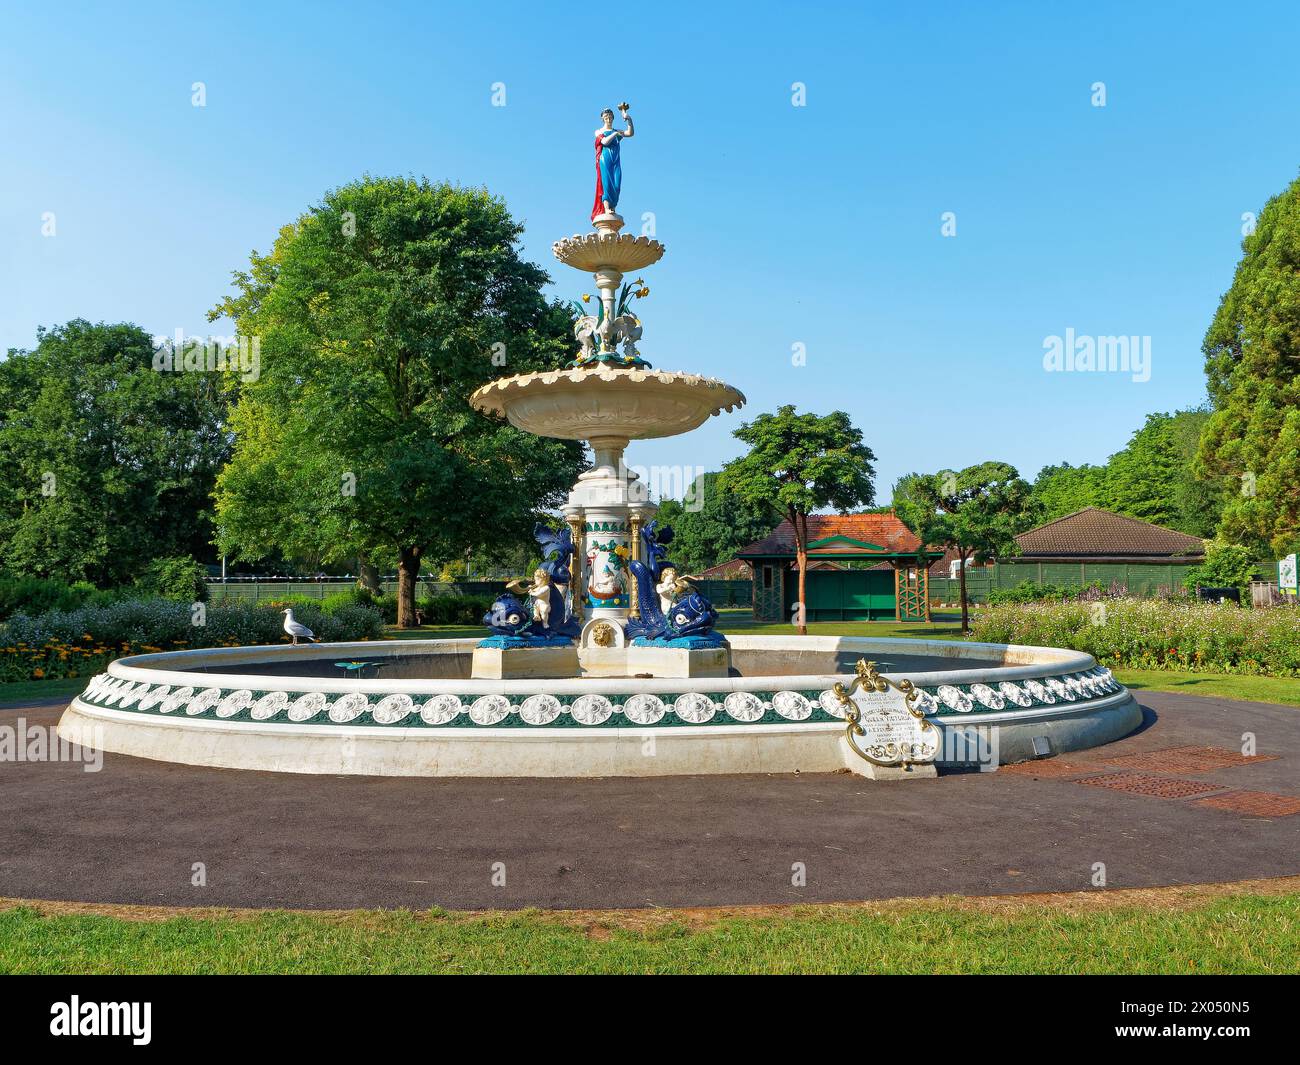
154	697
305	707
743	706
132	695
955	699
591	709
269	705
203	702
1057	687
925	702
831	704
1015	693
489	709
440	710
1040	693
792	706
540	709
348	708
174	701
392	708
694	708
644	709
234	703
987	697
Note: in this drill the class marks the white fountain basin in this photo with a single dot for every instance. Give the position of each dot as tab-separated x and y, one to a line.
604	402
418	713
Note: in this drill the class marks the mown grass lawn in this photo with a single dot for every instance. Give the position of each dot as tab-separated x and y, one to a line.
1225	934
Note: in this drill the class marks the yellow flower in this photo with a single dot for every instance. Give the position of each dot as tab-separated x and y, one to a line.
586	297
642	292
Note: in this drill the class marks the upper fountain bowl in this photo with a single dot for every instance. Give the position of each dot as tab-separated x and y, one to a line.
603	402
608	251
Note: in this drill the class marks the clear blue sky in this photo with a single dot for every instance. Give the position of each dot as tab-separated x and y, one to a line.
817	225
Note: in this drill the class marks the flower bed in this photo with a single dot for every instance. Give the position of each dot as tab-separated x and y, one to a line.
79	643
1155	634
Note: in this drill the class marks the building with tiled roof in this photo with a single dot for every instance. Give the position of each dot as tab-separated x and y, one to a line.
861	567
1101	535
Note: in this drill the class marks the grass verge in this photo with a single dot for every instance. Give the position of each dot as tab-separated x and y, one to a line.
1178	930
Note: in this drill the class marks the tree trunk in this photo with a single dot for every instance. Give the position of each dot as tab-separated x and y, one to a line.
368	577
961	584
408	573
801	559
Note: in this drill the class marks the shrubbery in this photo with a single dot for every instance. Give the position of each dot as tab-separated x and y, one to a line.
82	641
37	595
1155	634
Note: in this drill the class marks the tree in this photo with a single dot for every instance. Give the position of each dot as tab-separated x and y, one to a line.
977	512
710	525
798	463
378	312
1065	489
1225	566
106	463
1152	478
1251	443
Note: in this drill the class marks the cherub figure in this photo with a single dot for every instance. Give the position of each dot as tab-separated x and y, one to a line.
670	588
540	593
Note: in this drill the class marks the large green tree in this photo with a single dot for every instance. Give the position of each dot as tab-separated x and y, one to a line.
106	463
710	524
378	312
976	511
1153	478
1252	362
799	463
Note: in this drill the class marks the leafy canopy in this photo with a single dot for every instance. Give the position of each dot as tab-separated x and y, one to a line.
1252	365
105	463
378	312
800	463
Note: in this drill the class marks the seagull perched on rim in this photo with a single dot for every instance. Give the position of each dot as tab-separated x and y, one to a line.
297	629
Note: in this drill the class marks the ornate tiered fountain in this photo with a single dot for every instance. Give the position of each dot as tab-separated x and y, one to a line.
607	601
607	662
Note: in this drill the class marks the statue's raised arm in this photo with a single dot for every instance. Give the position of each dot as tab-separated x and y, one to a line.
609	167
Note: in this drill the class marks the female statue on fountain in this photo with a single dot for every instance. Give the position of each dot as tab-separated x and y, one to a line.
609	170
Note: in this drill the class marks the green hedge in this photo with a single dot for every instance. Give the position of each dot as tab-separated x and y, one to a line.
1155	634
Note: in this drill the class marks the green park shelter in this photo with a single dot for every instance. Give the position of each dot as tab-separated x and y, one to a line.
861	567
1090	546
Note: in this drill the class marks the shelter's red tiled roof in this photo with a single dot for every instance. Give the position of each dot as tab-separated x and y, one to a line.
1094	532
886	531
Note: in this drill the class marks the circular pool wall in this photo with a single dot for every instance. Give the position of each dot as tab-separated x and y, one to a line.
409	708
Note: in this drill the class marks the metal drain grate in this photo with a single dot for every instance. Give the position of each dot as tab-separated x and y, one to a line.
1259	803
1047	768
1190	759
1156	787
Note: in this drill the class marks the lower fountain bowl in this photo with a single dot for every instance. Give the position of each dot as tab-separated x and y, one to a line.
410	708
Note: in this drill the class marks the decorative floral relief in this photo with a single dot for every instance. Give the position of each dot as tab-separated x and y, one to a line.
955	699
644	709
1058	688
174	701
489	709
348	708
305	707
987	697
695	708
830	702
233	703
392	708
205	700
1015	693
743	706
792	706
540	709
591	710
440	710
269	705
151	700
1040	693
